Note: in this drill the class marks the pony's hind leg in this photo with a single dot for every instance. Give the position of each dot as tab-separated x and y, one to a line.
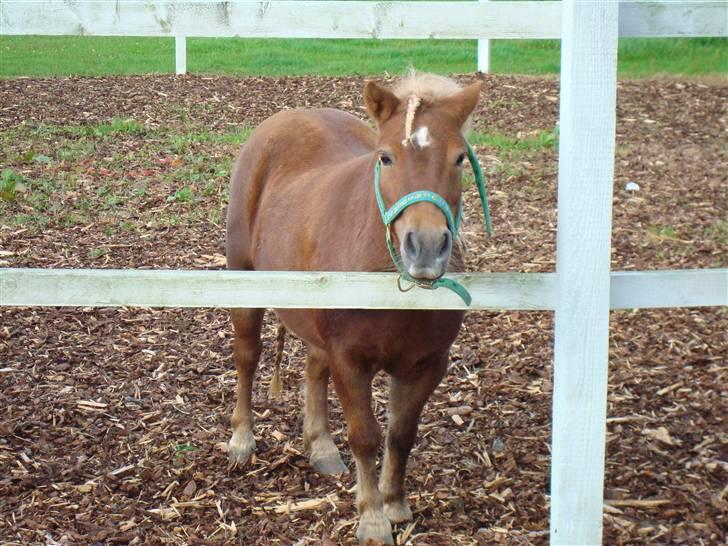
323	454
406	399
247	346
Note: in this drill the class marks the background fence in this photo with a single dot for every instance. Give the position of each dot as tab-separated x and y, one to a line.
357	19
581	291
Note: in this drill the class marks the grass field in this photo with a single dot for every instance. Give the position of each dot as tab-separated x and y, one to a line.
96	56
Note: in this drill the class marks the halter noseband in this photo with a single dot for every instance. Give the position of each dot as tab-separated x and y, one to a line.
453	224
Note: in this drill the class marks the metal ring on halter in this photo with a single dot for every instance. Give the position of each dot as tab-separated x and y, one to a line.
399	284
389	230
427	285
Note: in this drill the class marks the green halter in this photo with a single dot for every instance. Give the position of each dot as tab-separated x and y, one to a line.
453	224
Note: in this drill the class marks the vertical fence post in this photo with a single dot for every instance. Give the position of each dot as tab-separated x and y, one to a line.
180	54
586	168
484	53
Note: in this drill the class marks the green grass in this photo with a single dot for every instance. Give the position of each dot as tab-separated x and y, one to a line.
95	56
182	143
505	144
719	232
182	195
11	184
512	152
74	174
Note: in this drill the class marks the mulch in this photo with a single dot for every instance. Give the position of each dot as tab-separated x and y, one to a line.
114	420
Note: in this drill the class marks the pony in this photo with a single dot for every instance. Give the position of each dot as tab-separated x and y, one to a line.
303	197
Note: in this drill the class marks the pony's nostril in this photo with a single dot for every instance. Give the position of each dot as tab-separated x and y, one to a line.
410	245
446	244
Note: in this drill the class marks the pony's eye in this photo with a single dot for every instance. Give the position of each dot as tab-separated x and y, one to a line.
460	160
385	158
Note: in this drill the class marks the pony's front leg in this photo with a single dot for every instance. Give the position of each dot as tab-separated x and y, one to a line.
353	382
406	399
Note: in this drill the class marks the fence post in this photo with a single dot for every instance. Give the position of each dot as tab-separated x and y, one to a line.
586	168
180	54
484	53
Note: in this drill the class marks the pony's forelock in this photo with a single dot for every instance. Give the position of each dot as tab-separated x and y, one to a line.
428	87
417	88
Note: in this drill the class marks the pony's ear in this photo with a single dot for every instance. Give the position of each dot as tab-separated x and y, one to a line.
381	103
462	103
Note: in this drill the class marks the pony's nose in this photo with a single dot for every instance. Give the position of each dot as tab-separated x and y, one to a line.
426	252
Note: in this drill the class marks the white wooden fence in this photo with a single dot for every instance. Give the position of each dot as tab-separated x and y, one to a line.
332	19
581	291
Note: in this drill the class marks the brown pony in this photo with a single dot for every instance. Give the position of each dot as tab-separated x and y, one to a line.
302	198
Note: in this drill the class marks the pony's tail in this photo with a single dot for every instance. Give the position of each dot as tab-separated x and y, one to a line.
275	388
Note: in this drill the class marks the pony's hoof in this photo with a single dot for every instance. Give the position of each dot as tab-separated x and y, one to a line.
240	448
397	511
374	526
324	456
329	464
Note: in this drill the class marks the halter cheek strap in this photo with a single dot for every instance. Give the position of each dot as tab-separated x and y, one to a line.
453	224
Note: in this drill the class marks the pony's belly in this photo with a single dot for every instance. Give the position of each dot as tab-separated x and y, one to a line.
386	339
303	323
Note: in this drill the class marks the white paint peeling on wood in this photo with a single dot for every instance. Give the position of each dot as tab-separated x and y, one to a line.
340	19
497	291
281	19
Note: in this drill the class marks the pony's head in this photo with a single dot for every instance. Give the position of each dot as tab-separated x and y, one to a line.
421	148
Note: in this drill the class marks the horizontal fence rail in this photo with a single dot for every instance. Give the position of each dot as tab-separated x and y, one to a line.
282	289
339	19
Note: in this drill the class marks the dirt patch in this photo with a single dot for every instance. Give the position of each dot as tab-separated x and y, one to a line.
114	420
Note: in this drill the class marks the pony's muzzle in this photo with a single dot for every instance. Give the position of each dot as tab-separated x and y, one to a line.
425	253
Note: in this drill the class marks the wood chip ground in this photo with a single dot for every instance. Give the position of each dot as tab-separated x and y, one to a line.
113	422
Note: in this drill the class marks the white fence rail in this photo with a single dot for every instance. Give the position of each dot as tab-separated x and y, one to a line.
327	19
330	19
581	291
295	289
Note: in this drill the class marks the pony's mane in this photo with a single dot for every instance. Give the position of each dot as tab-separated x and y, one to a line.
419	88
428	87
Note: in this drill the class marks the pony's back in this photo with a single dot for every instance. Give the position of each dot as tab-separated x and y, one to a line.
285	165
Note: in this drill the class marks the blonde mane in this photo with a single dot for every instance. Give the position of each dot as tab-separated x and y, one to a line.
423	88
428	87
